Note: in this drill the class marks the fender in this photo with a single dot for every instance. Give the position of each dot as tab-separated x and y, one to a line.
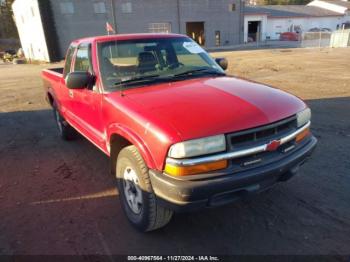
55	101
49	90
133	138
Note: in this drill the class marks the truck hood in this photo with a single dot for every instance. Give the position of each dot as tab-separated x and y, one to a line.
208	106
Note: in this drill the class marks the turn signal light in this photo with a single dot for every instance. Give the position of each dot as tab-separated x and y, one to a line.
302	135
192	170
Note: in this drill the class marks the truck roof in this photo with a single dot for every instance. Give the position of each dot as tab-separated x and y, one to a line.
106	38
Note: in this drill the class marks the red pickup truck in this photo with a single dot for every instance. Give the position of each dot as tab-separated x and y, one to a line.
180	133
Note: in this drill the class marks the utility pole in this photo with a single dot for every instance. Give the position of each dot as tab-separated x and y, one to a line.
179	16
241	21
114	17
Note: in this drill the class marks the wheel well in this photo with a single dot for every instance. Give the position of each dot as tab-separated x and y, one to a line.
50	99
117	143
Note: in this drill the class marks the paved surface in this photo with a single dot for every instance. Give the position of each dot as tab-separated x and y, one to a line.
58	198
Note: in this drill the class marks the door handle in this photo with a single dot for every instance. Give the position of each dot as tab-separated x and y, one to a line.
71	93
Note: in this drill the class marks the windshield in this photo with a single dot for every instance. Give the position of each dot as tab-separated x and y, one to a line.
134	62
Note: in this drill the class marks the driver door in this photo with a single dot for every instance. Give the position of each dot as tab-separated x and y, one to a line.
86	103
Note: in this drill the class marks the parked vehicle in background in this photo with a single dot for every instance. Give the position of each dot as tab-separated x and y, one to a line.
181	134
289	36
317	29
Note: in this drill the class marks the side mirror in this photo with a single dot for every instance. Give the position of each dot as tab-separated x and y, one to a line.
78	80
222	62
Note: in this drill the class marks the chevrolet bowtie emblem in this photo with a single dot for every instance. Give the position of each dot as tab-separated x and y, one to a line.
273	145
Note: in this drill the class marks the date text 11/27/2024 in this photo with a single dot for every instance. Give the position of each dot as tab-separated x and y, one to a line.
173	258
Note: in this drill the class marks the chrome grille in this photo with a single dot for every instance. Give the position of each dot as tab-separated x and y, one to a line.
258	136
261	135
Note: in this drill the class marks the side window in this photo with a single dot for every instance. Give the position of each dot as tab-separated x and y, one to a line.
82	60
69	58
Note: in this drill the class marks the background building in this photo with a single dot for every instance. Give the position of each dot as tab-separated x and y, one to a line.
338	6
46	27
269	21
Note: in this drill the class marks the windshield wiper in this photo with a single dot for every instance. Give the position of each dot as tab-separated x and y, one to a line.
137	80
157	77
201	71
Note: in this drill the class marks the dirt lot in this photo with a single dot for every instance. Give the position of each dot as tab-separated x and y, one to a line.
58	198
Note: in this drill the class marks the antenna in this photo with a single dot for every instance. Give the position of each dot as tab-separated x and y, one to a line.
121	89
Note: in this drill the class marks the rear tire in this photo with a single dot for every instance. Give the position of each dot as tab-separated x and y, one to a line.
66	132
136	194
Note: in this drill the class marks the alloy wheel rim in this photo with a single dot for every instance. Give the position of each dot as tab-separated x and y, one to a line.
132	191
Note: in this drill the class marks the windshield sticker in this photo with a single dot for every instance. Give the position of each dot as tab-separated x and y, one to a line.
193	47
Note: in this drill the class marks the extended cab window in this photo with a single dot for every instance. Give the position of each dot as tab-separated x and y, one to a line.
69	58
82	60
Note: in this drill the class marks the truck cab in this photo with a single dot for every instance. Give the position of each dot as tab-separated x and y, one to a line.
181	134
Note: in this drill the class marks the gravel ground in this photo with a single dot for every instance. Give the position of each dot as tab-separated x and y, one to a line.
58	198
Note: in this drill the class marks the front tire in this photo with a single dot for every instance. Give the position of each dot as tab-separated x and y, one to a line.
136	194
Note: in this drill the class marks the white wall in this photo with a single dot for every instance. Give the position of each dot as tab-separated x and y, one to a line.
250	18
275	26
347	17
329	6
30	29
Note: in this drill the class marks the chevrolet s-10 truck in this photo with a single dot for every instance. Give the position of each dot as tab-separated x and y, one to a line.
180	133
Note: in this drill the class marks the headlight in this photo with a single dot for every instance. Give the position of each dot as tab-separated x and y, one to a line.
303	117
197	147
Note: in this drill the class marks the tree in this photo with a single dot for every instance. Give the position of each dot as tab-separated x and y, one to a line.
7	24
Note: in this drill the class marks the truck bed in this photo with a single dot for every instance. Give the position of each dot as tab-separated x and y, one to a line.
51	79
56	70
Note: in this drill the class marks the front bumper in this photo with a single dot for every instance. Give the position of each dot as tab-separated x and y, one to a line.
196	192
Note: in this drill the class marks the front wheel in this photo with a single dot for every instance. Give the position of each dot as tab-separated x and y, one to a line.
136	194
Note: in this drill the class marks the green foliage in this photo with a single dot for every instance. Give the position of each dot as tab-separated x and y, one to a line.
7	24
